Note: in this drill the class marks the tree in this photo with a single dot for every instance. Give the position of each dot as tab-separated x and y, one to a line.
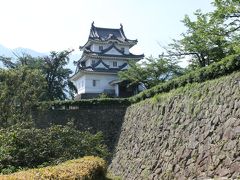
211	37
24	60
228	11
151	72
59	87
20	89
135	74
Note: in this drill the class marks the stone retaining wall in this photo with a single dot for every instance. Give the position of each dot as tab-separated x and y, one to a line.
105	118
191	132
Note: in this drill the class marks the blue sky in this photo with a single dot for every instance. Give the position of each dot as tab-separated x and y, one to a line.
46	25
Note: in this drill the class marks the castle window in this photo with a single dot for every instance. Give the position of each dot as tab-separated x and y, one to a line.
122	49
95	83
114	63
100	48
93	62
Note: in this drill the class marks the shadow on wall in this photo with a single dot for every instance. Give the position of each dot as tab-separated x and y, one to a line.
105	118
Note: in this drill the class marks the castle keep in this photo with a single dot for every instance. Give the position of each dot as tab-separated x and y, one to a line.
105	54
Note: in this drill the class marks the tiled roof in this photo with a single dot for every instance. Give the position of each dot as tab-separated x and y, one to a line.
100	62
108	33
130	55
90	69
94	68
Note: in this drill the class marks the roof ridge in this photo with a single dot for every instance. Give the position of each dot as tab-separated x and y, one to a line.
106	28
103	33
93	26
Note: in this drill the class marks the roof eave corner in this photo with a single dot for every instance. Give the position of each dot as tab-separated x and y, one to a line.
72	78
121	30
142	56
133	43
86	44
75	76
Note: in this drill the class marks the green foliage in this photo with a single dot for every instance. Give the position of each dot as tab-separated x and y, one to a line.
23	146
103	96
86	102
20	89
24	60
52	67
215	70
151	72
57	76
135	74
211	37
88	167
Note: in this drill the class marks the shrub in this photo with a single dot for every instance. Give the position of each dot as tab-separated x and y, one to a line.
27	147
84	168
104	96
215	70
84	103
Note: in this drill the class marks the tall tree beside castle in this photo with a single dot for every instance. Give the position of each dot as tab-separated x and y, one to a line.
105	54
53	68
211	37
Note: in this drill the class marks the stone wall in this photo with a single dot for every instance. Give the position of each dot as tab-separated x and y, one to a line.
191	132
94	118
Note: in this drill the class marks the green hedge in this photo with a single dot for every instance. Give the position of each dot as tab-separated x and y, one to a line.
215	70
24	146
88	167
71	104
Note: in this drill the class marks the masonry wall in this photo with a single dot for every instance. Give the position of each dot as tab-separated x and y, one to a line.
94	118
191	132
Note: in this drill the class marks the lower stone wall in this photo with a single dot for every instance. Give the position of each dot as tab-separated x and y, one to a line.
191	132
94	118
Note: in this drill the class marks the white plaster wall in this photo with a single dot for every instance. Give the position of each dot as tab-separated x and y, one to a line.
89	61
80	84
126	50
95	47
103	82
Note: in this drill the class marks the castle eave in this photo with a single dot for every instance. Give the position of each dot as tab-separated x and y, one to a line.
91	41
112	56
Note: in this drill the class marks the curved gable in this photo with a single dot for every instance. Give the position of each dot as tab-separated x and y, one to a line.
100	64
114	51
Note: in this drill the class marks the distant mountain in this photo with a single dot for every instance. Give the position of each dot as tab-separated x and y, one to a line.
7	52
19	51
